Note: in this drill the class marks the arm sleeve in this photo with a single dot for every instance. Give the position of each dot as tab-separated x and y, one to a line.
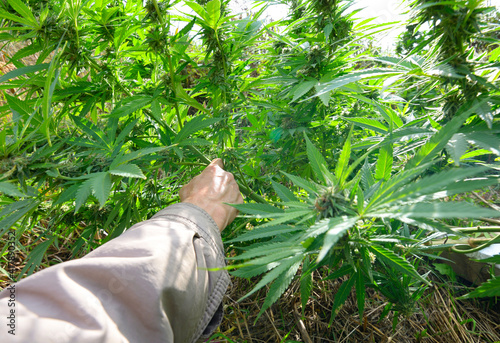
153	283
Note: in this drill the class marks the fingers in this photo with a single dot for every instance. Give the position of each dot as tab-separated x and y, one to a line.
212	190
217	162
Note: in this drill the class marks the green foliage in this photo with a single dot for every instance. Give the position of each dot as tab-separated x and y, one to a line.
351	162
350	229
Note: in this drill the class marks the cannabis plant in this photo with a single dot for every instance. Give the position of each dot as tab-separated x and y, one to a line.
369	221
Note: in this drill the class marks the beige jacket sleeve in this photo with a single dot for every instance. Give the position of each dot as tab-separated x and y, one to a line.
151	284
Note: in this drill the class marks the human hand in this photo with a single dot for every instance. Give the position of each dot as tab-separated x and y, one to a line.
210	190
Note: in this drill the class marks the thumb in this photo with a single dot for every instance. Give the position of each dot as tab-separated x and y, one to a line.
217	162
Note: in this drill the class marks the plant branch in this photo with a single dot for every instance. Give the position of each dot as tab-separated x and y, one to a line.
477	229
491	221
493	206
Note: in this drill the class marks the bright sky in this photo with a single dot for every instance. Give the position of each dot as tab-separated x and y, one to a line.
384	11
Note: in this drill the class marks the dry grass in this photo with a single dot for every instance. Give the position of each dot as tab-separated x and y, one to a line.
441	319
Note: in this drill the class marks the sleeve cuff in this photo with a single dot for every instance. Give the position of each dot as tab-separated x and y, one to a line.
195	216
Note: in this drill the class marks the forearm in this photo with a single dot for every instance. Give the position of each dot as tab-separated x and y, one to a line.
151	284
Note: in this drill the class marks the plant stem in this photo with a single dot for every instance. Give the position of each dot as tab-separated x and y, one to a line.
170	66
191	164
172	80
155	4
477	229
470	242
491	221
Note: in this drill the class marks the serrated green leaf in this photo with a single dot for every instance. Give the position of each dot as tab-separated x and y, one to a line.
156	111
368	123
196	124
384	163
337	228
341	296
436	210
198	9
69	193
281	218
24	70
266	232
439	182
195	141
343	162
7	209
130	105
280	285
213	13
396	261
353	77
367	179
494	259
283	192
92	131
484	111
439	140
360	292
35	257
282	248
124	158
101	186
284	265
182	94
446	270
83	193
303	88
185	30
344	270
360	199
124	133
24	11
16	211
10	189
128	170
308	186
327	30
456	147
389	115
490	288
261	210
306	283
296	205
325	98
408	64
273	256
484	140
461	187
6	15
318	163
429	225
388	187
251	271
51	81
27	51
19	106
